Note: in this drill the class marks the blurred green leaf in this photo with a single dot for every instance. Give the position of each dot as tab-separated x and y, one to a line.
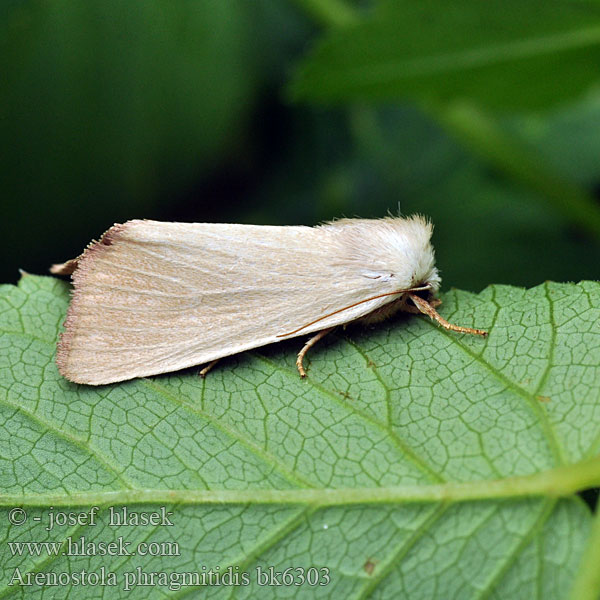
366	162
487	228
511	54
335	13
521	163
107	106
568	138
412	462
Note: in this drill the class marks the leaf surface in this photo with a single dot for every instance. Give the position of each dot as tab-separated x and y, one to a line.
412	462
504	54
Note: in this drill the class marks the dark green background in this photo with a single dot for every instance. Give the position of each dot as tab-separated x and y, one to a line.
257	112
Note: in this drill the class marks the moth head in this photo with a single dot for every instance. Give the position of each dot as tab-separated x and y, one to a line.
415	257
396	251
427	278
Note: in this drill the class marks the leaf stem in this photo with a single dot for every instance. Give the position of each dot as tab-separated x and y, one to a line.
587	579
330	13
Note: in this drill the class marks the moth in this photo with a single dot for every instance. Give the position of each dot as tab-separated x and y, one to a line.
153	297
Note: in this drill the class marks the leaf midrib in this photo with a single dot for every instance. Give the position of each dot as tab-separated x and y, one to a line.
559	482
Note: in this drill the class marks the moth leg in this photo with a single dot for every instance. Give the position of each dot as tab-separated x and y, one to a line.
208	367
427	309
413	310
313	340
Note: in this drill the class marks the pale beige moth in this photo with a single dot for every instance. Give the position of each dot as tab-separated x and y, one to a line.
154	297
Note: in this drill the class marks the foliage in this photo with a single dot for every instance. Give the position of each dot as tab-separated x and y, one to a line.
411	460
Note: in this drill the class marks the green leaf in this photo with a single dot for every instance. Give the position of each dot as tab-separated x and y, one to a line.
413	462
504	54
405	159
137	101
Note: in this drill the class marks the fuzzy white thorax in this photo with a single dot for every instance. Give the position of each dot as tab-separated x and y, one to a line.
394	250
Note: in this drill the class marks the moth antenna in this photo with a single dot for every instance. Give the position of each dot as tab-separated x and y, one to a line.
335	312
428	310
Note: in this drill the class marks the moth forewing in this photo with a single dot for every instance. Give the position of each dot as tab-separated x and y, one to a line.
153	297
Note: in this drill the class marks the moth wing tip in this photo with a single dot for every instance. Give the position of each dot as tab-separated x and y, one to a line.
107	239
64	350
63	357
